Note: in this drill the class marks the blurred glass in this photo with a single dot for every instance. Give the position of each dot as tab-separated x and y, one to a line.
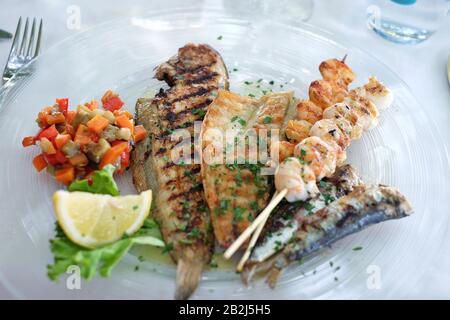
279	9
406	21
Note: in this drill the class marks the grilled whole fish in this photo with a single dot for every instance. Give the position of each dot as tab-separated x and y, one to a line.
235	189
363	207
286	217
194	75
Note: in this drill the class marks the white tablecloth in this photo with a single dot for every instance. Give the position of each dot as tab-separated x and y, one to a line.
422	67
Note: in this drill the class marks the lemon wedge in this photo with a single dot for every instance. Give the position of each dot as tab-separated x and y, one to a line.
92	220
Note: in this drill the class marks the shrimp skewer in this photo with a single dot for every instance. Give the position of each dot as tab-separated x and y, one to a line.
318	155
323	93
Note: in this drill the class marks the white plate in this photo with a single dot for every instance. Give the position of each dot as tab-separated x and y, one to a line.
403	151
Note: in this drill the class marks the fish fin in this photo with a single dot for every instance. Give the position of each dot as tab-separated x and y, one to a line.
188	276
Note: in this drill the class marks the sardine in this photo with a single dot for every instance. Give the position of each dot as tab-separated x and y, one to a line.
286	217
363	207
194	75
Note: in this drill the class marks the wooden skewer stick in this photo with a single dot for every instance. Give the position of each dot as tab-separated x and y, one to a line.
253	240
261	218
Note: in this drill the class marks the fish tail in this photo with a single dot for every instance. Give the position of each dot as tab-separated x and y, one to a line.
272	277
247	275
188	276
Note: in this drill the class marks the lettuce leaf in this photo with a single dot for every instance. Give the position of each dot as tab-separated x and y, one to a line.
102	181
101	260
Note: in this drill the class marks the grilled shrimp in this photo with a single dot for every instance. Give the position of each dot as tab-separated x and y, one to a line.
342	110
297	178
297	130
365	119
308	111
319	155
336	70
285	150
324	93
329	131
321	93
378	93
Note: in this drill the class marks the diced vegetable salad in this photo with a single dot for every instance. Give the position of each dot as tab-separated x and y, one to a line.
74	143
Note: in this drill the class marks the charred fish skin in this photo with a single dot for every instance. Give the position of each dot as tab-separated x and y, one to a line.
285	220
194	76
363	207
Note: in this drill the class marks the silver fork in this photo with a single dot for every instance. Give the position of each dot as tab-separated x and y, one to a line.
25	48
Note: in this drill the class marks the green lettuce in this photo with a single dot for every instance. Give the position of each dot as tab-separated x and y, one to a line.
101	260
102	181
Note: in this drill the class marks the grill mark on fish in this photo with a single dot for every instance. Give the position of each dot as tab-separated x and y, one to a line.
187	194
207	76
179	199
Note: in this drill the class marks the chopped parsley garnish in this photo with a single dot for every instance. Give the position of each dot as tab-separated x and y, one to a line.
199	112
251	95
141	258
331	264
135	207
136	268
302	152
267	119
328	198
180	226
194	233
309	207
322	184
250	217
254	205
357	248
237	213
185	241
168	247
223	205
259	80
248	83
238	178
241	121
278	245
235	69
271	82
220	37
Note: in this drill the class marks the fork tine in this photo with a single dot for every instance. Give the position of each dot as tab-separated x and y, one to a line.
15	44
38	42
24	38
32	36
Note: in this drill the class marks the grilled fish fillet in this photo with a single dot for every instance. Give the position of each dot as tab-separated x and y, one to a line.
194	76
363	207
235	189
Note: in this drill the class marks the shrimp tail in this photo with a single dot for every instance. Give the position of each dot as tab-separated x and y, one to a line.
188	276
